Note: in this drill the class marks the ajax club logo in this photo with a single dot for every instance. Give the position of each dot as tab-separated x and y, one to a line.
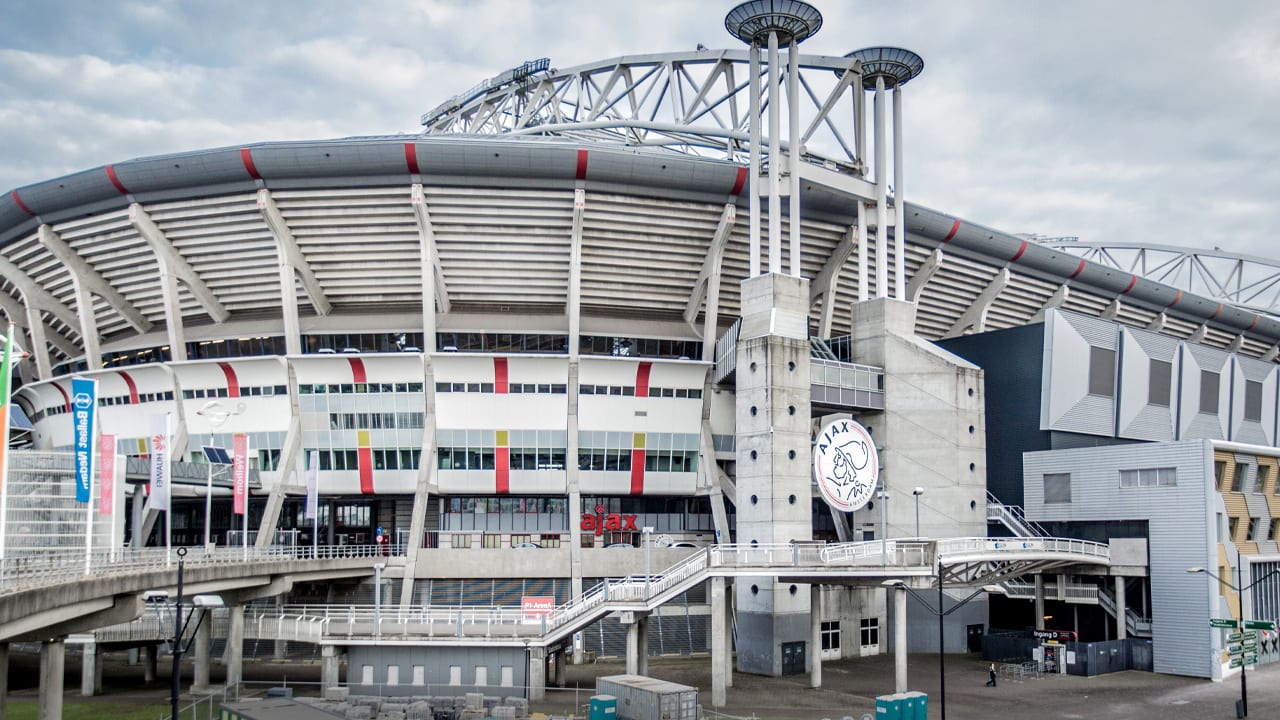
846	465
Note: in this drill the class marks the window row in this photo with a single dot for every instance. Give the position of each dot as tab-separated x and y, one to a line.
358	388
507	505
142	398
1149	477
221	392
512	388
383	459
630	391
376	420
615	460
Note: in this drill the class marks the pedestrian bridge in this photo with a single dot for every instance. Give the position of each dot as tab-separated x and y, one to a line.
921	563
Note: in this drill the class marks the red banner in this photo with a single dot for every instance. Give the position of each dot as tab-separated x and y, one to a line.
106	473
534	607
240	471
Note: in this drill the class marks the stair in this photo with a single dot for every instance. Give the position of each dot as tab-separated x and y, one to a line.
1012	517
1135	625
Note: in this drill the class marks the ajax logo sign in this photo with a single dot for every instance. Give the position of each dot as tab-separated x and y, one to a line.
846	465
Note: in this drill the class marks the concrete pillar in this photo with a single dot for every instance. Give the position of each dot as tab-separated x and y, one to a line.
53	656
720	664
4	678
278	648
90	671
1039	601
1122	629
633	647
150	654
900	639
559	680
728	636
201	655
330	667
815	636
537	674
235	646
642	654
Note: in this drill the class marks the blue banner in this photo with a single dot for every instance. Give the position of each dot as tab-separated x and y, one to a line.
84	406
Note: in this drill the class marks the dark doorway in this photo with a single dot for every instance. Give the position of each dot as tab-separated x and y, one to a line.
974	636
793	658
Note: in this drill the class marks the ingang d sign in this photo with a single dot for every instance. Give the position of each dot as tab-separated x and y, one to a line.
846	465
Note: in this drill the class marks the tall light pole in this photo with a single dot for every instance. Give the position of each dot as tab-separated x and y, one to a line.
377	597
1240	588
918	492
217	414
647	532
204	603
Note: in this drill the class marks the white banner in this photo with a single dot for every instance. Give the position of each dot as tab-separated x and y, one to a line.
159	498
313	486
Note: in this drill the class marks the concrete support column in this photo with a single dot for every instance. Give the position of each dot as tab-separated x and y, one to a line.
278	649
150	655
558	669
235	646
537	674
815	636
721	654
642	656
330	669
728	635
1039	601
633	647
201	659
900	639
90	671
53	657
1122	629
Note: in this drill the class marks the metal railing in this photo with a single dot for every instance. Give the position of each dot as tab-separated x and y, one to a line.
950	548
1012	517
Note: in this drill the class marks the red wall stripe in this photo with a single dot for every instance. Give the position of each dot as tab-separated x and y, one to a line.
955	228
1176	299
1256	318
357	370
246	157
739	182
1079	269
411	158
133	387
642	379
1133	280
66	399
365	455
233	382
21	205
582	165
115	180
1018	254
1214	316
500	376
637	471
502	468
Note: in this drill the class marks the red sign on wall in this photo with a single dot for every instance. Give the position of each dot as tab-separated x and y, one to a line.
601	521
537	606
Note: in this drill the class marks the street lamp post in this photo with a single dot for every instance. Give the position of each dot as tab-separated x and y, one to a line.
941	613
1240	588
918	492
199	602
377	598
217	414
647	531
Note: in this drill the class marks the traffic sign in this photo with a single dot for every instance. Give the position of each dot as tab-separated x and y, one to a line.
1236	662
1251	659
1251	647
1228	623
1251	635
1255	624
1235	649
1235	637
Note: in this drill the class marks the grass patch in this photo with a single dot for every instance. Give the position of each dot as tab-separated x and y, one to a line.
28	710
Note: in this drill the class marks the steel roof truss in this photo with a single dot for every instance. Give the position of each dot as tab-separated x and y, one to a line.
174	265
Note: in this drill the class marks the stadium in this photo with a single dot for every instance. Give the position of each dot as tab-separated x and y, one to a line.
590	322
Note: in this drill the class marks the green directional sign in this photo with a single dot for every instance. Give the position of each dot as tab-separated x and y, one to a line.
1251	659
1236	662
1235	649
1251	647
1249	636
1253	624
1235	637
1228	623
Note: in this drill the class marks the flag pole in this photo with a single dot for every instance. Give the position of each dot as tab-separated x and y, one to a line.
6	378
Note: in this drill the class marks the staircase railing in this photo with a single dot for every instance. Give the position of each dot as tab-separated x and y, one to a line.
1012	517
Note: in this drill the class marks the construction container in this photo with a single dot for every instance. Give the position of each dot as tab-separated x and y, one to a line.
645	698
603	707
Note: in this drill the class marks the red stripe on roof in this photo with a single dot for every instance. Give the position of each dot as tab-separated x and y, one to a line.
357	370
582	165
21	205
411	158
66	399
133	387
955	228
1133	280
1079	269
739	182
115	180
1176	299
233	382
500	376
642	379
365	455
246	157
502	470
1018	254
1217	312
637	471
1256	318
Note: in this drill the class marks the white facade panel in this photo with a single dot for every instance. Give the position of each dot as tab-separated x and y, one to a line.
1144	411
1066	403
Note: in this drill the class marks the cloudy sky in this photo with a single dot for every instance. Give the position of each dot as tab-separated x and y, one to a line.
1145	120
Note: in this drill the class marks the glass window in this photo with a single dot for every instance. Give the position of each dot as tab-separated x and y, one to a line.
1102	371
1252	401
1237	477
1209	392
831	635
1219	472
1057	488
870	631
1159	383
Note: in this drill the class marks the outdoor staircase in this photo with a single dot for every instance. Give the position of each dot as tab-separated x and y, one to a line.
1135	625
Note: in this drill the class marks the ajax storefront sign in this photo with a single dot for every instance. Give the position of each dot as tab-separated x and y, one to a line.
846	465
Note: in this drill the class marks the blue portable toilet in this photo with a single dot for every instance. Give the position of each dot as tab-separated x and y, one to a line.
918	703
888	707
603	707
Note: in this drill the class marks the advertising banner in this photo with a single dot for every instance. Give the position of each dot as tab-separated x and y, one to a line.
159	460
84	410
107	473
240	471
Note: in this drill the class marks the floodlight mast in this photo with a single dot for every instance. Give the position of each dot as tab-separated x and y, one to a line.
766	24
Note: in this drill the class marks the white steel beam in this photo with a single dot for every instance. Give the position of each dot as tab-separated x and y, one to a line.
1056	300
435	292
710	262
975	318
573	304
292	256
174	264
824	284
93	281
34	295
1111	311
924	274
1157	323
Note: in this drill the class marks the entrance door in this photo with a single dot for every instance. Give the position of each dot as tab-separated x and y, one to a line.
974	634
793	658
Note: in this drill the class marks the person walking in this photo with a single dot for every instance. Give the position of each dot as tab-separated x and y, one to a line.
991	676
